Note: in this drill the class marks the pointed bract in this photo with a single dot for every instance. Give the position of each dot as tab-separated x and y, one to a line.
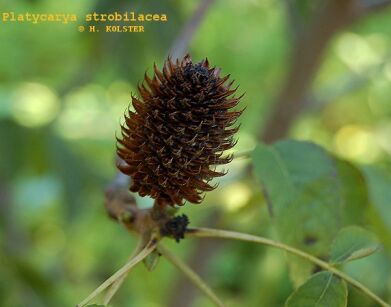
181	125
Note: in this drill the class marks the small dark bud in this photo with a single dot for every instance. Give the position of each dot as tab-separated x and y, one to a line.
176	227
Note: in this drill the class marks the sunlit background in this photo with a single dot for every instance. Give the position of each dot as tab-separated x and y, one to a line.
62	98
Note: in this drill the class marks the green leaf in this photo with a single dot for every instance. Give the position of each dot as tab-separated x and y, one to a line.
354	192
379	183
321	290
300	182
351	243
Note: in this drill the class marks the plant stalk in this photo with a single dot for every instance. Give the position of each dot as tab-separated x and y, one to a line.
124	270
117	284
224	234
194	277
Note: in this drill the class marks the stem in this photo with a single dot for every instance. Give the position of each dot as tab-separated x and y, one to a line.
224	234
194	278
117	284
182	42
125	269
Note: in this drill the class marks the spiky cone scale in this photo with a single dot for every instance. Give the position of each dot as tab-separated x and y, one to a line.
178	132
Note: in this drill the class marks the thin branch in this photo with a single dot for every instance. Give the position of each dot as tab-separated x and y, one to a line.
296	22
224	234
118	283
182	42
149	248
195	279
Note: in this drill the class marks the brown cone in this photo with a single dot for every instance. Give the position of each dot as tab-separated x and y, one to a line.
181	126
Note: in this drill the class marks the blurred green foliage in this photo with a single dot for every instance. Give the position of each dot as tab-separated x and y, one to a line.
62	96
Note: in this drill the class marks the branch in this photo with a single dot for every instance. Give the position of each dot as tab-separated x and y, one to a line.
306	58
195	279
296	22
149	248
182	42
224	234
117	284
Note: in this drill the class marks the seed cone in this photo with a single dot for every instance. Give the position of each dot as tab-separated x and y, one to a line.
181	126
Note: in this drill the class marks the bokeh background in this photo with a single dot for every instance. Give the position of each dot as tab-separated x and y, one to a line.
62	97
